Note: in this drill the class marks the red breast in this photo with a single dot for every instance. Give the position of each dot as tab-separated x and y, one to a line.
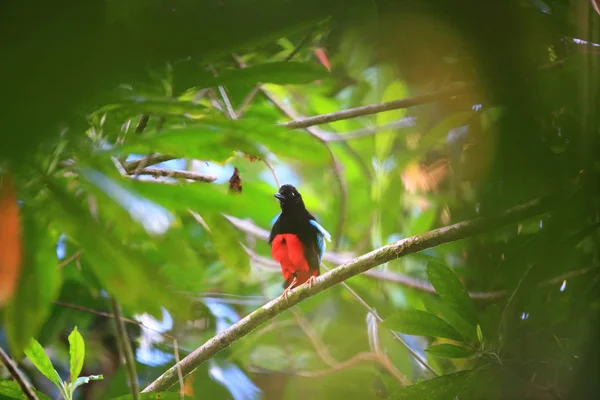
288	251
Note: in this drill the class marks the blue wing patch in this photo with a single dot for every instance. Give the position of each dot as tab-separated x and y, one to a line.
321	237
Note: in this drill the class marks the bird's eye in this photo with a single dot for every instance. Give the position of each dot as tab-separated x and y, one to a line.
292	194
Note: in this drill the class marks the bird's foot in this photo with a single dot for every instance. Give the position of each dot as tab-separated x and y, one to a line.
289	289
311	282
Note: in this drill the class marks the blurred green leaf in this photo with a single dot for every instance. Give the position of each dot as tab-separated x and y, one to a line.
216	141
441	388
35	352
421	323
39	283
441	129
452	291
12	390
76	354
384	140
479	334
121	269
225	239
278	72
443	310
82	380
155	106
449	351
422	223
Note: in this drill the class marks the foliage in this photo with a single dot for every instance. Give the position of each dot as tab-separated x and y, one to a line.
202	86
38	357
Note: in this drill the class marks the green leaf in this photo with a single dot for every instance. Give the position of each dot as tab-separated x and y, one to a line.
39	283
211	198
421	323
216	141
224	238
452	291
82	380
280	73
449	351
38	357
444	387
440	130
479	334
384	140
154	106
438	307
76	353
121	269
154	396
12	390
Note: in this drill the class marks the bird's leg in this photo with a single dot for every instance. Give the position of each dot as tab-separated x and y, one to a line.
289	288
311	282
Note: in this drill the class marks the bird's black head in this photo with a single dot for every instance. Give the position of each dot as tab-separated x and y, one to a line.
289	197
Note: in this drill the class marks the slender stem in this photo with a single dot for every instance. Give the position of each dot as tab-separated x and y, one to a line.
172	173
147	161
337	275
17	375
377	108
127	352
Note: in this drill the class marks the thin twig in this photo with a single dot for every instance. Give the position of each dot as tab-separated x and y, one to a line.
268	164
318	345
224	96
142	123
248	99
17	375
349	363
407	122
337	275
147	161
125	346
68	260
172	173
179	373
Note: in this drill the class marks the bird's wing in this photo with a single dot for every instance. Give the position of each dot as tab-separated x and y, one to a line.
322	235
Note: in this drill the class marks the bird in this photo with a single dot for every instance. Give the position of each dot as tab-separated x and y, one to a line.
297	240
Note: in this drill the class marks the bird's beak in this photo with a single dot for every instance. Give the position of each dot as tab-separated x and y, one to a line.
279	196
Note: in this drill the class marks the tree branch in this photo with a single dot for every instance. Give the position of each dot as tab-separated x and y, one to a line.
377	108
17	375
172	173
147	161
357	266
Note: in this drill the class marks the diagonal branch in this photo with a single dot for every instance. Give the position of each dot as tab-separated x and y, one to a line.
18	376
173	173
377	108
357	266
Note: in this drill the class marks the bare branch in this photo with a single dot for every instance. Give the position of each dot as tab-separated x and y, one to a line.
377	108
180	174
69	259
147	161
17	375
357	266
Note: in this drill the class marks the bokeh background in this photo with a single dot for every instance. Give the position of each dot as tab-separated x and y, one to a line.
142	141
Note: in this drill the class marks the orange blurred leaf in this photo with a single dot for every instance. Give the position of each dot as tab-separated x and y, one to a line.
10	240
